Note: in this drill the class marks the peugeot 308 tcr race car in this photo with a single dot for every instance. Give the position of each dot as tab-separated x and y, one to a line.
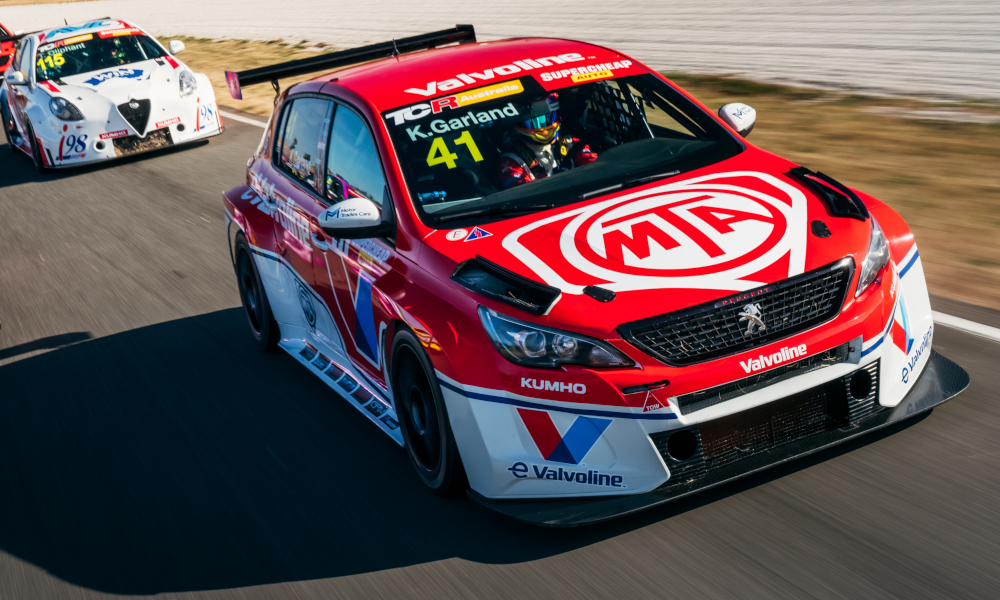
565	285
101	90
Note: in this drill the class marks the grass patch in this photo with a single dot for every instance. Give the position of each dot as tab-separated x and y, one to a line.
942	177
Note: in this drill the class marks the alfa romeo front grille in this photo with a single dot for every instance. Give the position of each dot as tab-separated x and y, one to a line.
737	323
137	115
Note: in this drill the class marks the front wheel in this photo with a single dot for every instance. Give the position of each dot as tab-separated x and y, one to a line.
423	418
263	327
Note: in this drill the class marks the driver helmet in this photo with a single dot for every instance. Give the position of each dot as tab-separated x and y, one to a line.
542	125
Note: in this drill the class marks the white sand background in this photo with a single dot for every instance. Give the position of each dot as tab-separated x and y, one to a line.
947	49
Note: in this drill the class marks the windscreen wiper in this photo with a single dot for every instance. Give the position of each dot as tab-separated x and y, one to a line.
505	209
627	184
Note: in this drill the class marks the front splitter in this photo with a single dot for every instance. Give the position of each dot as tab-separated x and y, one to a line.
941	380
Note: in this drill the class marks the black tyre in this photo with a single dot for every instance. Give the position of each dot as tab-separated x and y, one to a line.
423	418
263	327
36	152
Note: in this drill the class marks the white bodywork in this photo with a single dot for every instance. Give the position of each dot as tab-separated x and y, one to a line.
98	94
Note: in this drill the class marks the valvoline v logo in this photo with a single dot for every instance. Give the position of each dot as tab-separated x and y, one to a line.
569	448
902	335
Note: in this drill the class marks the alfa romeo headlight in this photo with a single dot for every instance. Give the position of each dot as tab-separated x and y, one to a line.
65	110
535	346
878	257
188	84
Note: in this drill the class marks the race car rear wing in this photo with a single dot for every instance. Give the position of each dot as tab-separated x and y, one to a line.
462	34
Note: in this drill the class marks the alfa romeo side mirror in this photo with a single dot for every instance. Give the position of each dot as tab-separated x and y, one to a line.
175	46
739	116
354	218
15	78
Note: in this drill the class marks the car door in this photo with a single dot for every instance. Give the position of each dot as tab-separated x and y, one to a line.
291	186
351	272
19	96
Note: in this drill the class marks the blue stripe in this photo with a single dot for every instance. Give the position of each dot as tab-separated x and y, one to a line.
909	264
885	332
536	406
873	346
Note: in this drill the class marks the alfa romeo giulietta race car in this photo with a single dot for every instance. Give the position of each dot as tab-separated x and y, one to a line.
100	90
565	285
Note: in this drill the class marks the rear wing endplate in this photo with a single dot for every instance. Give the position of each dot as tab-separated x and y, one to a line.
462	34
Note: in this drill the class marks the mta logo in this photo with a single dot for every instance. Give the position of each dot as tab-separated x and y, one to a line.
569	448
902	335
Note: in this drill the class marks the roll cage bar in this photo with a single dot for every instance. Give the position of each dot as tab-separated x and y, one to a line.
462	34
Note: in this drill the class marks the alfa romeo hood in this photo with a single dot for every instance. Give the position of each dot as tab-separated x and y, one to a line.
120	84
728	228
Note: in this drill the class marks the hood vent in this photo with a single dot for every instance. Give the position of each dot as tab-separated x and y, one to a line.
495	282
841	200
136	112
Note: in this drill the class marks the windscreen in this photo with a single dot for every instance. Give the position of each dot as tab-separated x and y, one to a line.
91	52
516	146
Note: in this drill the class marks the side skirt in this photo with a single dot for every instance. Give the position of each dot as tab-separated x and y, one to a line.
343	380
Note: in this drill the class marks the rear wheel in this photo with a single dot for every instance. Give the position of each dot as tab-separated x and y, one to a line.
424	419
263	327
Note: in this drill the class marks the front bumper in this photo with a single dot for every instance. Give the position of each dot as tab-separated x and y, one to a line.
940	381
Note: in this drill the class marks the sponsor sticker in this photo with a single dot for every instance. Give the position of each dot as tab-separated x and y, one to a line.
477	95
168	122
456	234
477	234
521	470
752	365
553	386
114	134
570	447
109	33
119	73
712	232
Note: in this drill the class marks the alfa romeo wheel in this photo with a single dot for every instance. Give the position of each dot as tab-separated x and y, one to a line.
424	419
263	327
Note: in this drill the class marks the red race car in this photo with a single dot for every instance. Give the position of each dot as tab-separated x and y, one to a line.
562	283
7	47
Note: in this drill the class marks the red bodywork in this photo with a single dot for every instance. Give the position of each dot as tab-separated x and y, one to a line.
411	280
6	50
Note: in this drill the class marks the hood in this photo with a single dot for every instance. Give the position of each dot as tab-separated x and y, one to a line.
732	227
119	84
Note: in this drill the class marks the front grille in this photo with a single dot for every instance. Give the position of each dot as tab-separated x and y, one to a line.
134	144
837	404
137	117
720	328
694	401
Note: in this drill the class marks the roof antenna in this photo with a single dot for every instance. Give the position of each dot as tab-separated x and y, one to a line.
65	22
395	50
277	90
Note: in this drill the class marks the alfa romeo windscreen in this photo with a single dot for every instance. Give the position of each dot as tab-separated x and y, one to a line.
522	145
92	52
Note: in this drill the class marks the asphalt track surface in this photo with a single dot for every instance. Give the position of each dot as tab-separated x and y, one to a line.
146	447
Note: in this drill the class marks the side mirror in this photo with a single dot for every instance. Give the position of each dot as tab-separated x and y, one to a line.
175	46
351	219
15	78
739	116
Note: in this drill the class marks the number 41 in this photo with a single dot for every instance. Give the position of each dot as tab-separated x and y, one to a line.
440	154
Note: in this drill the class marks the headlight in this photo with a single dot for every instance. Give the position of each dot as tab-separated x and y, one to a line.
534	346
188	84
65	110
878	257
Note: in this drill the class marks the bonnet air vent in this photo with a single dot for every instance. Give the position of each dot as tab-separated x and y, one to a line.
841	200
493	281
137	115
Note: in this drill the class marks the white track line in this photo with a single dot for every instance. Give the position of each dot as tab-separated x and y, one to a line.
243	119
990	333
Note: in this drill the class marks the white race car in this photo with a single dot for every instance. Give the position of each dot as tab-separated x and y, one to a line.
101	90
